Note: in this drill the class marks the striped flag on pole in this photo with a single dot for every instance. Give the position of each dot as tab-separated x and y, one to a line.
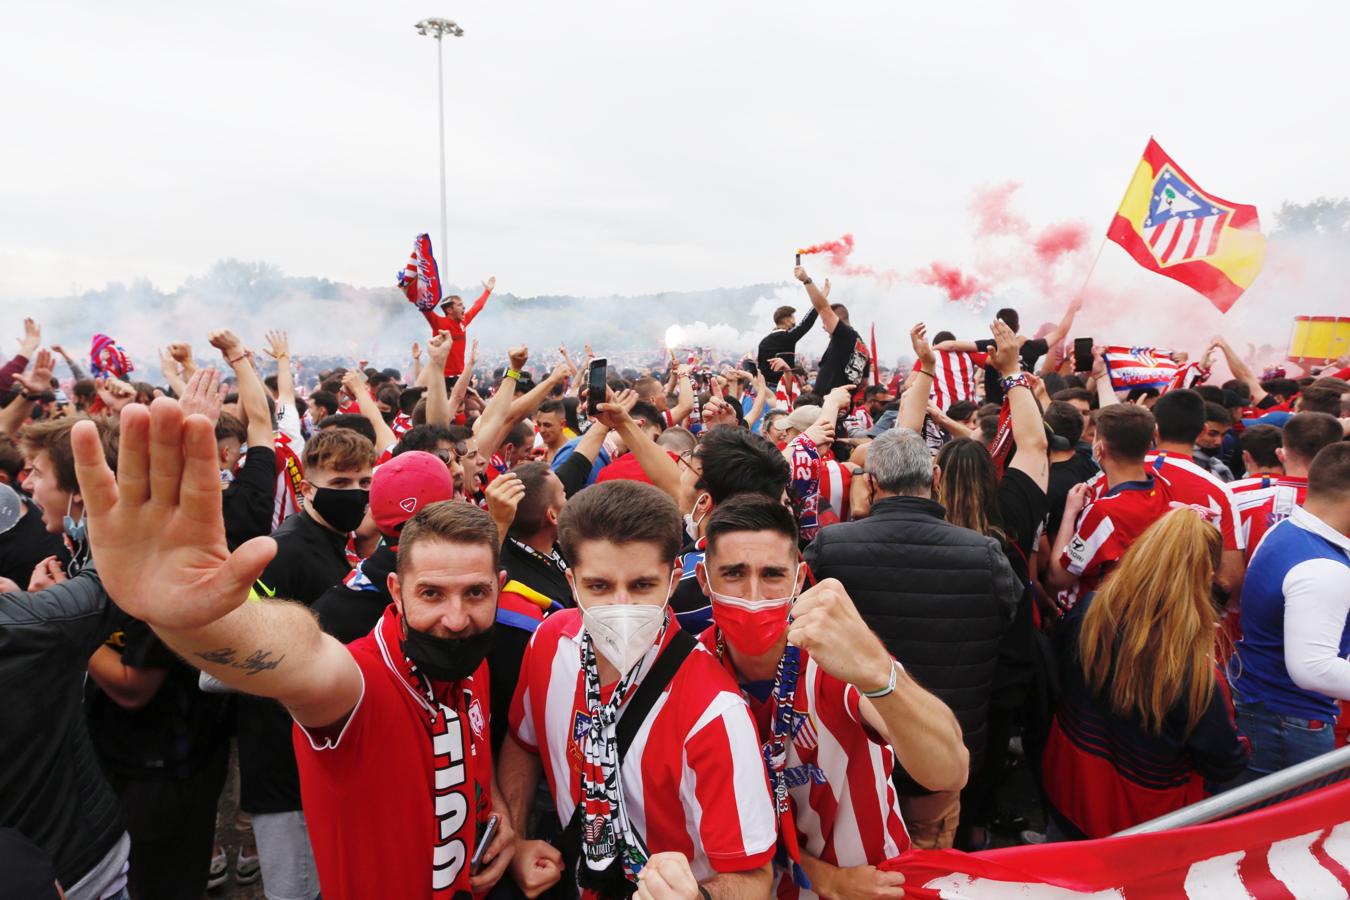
954	375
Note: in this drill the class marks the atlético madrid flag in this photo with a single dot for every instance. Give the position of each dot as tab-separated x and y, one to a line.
1168	224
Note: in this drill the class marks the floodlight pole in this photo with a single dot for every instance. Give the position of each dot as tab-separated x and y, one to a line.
438	28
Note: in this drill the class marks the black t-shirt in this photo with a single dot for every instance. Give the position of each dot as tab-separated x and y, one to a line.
845	361
1030	351
27	544
310	559
349	611
1021	509
174	734
1063	476
248	501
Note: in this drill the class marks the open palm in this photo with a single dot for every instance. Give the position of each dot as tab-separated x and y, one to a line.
157	532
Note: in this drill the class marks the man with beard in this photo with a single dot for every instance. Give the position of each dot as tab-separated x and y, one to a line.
391	732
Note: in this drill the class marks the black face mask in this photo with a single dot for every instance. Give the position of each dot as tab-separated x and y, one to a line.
342	509
446	659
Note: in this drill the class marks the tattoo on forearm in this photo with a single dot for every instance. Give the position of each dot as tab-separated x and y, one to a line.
257	661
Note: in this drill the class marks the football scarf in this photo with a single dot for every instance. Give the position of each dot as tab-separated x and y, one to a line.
607	834
107	359
420	280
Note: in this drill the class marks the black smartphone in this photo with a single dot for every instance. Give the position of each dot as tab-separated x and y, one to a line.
484	840
749	366
595	385
1082	354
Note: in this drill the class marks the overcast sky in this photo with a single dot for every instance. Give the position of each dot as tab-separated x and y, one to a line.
622	147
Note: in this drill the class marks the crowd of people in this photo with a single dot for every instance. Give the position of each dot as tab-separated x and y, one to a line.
734	628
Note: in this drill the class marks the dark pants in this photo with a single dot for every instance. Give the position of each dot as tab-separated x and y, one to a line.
172	824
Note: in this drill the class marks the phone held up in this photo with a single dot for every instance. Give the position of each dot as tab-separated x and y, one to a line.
595	385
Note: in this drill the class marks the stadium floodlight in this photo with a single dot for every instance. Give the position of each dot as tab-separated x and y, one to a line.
438	29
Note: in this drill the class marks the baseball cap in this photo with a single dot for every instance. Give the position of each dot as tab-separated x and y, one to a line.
803	417
404	486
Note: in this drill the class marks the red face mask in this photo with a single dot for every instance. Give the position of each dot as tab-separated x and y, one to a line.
751	627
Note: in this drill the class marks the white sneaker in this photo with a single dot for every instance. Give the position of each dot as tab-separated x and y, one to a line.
220	869
246	868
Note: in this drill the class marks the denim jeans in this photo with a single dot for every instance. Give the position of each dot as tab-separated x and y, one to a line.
1278	741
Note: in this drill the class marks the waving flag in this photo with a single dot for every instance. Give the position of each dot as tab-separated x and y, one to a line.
420	279
1171	226
1139	367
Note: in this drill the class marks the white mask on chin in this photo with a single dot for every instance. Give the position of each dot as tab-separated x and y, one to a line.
623	633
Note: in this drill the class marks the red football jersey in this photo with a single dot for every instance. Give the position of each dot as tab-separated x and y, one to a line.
1264	500
1188	483
393	801
1107	527
838	772
693	779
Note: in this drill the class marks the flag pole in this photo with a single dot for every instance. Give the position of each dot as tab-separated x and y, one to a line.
1082	291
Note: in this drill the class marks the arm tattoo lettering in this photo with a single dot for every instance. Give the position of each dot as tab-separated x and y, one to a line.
255	662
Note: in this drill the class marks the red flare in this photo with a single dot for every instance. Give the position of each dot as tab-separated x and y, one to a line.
839	250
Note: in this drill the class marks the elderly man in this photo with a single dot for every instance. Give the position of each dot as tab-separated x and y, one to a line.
939	596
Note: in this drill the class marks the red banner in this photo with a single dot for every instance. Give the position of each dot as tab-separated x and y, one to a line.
1297	849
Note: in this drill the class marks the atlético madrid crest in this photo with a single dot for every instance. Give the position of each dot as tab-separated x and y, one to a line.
1183	223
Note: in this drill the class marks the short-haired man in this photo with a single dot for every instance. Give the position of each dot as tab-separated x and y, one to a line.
551	423
1209	444
1270	496
1068	466
684	807
727	462
1296	625
845	360
1103	517
311	557
832	707
939	596
392	729
1180	417
782	342
456	320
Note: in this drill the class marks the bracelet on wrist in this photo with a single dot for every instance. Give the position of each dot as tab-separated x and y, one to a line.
512	373
241	356
896	669
806	281
1019	379
926	372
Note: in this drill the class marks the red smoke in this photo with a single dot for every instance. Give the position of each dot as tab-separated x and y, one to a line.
992	215
839	250
1058	240
959	286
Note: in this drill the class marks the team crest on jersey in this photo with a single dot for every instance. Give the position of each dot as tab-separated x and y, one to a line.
581	726
476	720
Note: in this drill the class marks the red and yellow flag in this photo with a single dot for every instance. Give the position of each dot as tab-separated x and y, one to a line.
1171	226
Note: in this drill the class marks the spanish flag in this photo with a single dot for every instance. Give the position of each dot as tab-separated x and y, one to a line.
1168	224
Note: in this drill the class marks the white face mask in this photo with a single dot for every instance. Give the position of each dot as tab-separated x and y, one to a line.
624	632
690	523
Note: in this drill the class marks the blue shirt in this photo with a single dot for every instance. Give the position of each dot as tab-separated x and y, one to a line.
1296	611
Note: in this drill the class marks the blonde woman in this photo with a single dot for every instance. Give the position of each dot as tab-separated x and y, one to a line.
1145	717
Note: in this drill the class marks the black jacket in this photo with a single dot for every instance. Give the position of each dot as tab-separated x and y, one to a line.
780	341
351	608
939	596
52	790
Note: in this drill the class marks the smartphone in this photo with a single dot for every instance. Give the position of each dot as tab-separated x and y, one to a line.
1082	354
595	385
750	366
484	840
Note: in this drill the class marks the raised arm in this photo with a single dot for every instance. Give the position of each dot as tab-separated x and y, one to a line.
491	427
355	381
685	404
1027	425
159	545
1106	395
761	400
75	371
653	458
1241	371
804	326
168	367
820	300
1055	336
1056	576
473	311
13	416
439	410
524	406
914	402
279	348
416	362
252	394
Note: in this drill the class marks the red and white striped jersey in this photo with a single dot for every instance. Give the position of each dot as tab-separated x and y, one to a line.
288	500
693	779
1189	483
1263	501
838	772
954	377
835	481
1106	528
